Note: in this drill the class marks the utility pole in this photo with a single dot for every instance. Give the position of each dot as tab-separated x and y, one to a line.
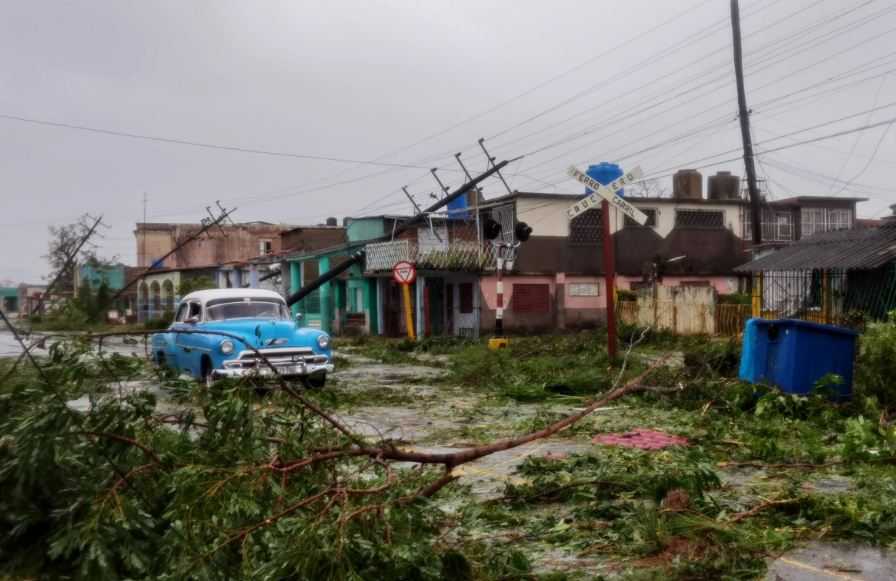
207	224
142	257
744	114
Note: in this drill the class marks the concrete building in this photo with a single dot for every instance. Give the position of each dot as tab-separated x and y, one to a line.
9	300
219	245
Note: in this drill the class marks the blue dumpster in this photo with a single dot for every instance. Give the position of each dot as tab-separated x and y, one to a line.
793	355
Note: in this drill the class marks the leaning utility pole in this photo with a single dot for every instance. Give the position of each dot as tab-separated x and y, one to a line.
744	114
358	256
207	224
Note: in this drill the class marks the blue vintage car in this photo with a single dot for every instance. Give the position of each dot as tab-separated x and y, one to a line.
261	319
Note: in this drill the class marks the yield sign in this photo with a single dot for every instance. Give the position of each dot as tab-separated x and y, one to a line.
608	193
404	272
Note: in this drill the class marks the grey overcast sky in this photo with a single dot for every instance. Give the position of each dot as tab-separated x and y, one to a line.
644	82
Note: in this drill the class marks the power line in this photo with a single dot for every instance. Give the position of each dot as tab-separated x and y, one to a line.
201	144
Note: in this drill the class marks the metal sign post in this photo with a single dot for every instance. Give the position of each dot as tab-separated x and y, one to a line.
606	196
405	273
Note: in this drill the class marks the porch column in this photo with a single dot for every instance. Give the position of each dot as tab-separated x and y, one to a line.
380	304
295	282
371	305
419	323
326	312
253	275
339	299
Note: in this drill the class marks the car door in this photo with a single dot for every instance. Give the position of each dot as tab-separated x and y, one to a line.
188	355
171	337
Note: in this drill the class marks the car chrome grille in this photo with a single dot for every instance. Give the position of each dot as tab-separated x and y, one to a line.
277	357
278	353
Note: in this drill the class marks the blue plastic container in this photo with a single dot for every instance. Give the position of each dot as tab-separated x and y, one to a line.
604	173
458	209
793	355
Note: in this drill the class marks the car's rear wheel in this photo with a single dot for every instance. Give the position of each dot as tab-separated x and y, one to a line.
316	381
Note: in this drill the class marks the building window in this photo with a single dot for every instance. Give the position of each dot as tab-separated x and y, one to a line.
814	220
651	219
531	298
265	246
776	226
585	229
838	219
699	219
465	302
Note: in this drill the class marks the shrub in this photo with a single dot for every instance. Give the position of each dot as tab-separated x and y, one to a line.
876	365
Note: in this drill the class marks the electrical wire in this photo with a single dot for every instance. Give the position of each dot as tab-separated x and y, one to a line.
201	144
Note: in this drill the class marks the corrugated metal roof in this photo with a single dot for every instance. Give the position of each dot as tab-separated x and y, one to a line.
858	249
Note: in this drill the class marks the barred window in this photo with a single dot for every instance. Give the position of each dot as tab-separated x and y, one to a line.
699	218
585	229
812	221
651	219
838	219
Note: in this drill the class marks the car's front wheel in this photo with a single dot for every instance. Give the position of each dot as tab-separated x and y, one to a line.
316	381
207	374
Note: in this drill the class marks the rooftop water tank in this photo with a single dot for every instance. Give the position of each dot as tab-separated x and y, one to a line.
724	186
687	184
604	173
458	208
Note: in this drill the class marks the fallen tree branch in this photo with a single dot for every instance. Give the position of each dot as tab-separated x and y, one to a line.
453	459
126	440
762	506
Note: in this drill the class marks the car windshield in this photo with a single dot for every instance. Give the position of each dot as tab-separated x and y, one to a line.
246	309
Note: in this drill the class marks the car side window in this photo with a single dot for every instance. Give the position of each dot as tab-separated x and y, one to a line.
195	311
181	313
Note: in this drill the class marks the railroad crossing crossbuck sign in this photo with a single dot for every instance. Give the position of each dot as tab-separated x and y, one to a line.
606	192
404	272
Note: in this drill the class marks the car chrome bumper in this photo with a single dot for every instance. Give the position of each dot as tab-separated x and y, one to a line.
290	370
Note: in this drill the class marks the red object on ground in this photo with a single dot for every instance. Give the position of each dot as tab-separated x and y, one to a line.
642	439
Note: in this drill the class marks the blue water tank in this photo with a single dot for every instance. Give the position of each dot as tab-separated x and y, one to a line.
604	173
458	209
794	355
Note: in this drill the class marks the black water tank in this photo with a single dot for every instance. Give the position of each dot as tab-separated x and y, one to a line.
724	186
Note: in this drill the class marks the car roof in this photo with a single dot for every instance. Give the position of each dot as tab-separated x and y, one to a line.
204	296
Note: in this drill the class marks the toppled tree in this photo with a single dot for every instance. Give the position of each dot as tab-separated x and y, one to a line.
112	487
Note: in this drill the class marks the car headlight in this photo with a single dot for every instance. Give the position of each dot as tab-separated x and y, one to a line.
226	347
323	341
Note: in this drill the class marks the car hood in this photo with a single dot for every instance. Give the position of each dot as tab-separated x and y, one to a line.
265	332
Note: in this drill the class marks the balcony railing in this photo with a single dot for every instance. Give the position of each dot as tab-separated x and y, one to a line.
456	255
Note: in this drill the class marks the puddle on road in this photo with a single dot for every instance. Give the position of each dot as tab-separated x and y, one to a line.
820	561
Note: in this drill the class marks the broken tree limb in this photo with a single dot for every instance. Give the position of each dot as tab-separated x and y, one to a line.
452	459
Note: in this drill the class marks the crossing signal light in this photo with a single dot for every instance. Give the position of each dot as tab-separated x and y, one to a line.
491	229
522	231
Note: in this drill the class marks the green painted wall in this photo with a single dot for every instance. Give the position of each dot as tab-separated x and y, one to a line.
360	229
113	275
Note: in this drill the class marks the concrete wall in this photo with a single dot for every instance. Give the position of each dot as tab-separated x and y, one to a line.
360	229
723	285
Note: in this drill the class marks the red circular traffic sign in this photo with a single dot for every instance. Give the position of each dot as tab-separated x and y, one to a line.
404	272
